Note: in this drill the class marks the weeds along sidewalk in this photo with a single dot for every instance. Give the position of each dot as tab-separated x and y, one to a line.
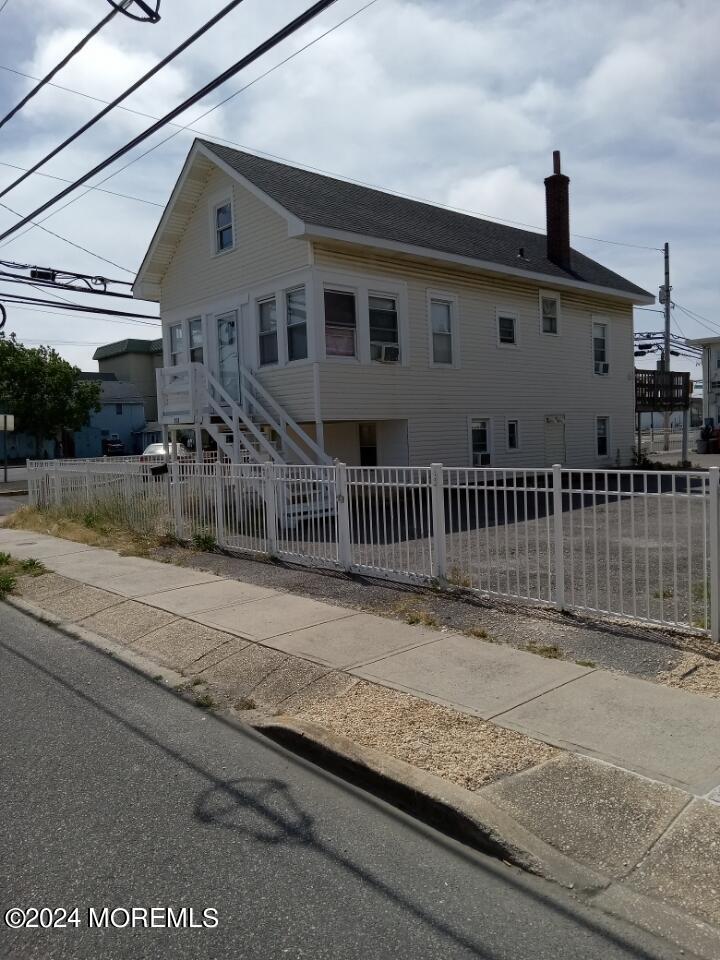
525	732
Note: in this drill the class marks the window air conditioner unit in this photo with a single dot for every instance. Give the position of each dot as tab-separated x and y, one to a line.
602	368
389	352
481	460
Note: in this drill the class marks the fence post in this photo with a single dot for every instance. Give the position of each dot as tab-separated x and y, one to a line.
56	486
437	493
342	513
269	495
219	503
714	536
87	484
558	537
176	505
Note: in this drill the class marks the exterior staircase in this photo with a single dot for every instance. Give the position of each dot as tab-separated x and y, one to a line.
255	429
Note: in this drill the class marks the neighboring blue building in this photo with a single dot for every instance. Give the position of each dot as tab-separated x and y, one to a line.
122	417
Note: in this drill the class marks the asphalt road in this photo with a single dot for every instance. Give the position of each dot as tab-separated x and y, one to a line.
115	792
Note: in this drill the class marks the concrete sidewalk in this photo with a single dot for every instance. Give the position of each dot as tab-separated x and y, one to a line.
668	735
635	799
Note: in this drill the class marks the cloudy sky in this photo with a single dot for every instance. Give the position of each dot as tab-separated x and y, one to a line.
459	102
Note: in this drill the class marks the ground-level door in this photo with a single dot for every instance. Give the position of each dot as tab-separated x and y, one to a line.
228	349
554	439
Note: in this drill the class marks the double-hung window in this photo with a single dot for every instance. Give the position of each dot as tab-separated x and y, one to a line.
384	331
600	349
549	313
223	224
195	337
441	322
480	442
507	329
296	319
602	436
177	344
267	323
340	324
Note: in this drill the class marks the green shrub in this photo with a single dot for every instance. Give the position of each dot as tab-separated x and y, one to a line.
203	540
7	583
5	559
33	567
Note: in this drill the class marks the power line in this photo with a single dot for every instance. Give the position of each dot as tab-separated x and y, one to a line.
65	60
192	129
72	243
4	4
209	87
41	285
69	316
112	193
11	297
186	127
706	324
201	31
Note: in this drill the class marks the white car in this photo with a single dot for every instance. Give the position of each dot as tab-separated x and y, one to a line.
161	449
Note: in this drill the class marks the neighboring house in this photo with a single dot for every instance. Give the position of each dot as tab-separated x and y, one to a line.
135	362
711	376
306	318
122	414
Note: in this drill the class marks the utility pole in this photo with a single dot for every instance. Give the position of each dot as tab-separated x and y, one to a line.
665	300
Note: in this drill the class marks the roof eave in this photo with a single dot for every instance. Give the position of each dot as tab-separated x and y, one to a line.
316	232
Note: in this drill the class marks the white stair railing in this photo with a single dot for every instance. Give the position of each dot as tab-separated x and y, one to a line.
271	412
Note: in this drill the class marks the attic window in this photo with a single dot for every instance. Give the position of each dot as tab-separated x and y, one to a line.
224	239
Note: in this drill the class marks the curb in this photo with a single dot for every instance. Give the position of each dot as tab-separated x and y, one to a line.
466	817
476	822
459	813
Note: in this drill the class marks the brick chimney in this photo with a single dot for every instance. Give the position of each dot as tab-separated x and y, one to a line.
557	203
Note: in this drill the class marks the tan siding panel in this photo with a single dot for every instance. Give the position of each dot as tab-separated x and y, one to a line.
543	375
262	248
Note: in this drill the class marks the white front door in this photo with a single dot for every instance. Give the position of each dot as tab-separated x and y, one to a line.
228	344
554	439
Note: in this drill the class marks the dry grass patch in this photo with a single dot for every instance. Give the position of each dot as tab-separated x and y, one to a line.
694	674
90	527
449	744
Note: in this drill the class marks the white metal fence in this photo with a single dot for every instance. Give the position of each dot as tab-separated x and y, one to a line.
632	544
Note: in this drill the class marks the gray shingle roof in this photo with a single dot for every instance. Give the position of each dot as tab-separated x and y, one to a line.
323	201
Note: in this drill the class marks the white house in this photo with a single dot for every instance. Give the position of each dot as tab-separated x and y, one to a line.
306	318
710	376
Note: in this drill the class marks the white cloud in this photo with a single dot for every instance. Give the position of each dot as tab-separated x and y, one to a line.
454	100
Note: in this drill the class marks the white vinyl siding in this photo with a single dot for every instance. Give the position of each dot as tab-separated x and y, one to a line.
538	376
261	249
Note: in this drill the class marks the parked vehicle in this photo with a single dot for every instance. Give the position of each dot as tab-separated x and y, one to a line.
113	446
155	450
